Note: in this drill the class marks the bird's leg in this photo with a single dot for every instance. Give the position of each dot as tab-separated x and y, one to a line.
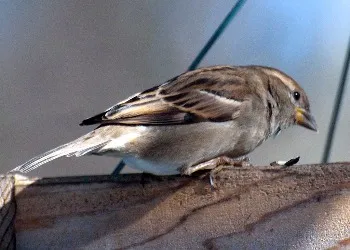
216	165
220	161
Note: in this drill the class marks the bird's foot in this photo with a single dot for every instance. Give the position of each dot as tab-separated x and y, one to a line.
216	165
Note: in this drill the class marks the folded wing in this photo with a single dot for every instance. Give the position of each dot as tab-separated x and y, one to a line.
214	94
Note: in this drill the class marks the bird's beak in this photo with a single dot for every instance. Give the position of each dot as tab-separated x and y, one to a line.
305	119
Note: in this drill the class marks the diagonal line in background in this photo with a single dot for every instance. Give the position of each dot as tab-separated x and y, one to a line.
337	105
218	32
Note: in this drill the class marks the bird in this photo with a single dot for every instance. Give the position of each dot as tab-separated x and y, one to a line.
197	120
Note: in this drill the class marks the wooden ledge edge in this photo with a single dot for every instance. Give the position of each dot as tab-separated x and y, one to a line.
22	180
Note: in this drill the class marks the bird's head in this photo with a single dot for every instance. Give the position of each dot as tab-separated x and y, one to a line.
294	107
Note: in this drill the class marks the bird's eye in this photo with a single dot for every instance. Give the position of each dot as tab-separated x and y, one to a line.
296	95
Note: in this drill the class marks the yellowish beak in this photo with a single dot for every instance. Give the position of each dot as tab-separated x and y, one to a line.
305	119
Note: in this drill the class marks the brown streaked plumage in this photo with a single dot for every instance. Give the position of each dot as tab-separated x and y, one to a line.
199	93
197	116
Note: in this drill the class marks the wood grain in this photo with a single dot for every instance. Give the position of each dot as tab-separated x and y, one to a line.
300	207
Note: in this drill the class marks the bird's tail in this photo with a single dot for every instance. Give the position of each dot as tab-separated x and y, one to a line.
81	146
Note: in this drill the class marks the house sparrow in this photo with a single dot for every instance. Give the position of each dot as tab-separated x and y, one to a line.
197	120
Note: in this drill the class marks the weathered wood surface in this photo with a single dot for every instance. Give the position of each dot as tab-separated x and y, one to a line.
7	213
301	207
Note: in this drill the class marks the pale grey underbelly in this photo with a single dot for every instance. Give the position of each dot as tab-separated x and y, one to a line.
164	150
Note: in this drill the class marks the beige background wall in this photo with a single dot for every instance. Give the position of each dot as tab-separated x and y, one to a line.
61	62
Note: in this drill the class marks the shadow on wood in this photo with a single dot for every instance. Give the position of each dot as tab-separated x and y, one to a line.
301	207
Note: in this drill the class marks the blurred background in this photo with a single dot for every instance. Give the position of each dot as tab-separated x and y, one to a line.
64	61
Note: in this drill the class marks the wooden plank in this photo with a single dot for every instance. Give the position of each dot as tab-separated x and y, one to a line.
301	207
7	212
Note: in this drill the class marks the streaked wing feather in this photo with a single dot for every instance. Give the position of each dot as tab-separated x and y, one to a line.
195	96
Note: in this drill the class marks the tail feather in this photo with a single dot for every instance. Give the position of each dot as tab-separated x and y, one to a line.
87	150
77	148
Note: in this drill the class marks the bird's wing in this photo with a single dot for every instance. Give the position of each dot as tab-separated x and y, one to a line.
209	94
